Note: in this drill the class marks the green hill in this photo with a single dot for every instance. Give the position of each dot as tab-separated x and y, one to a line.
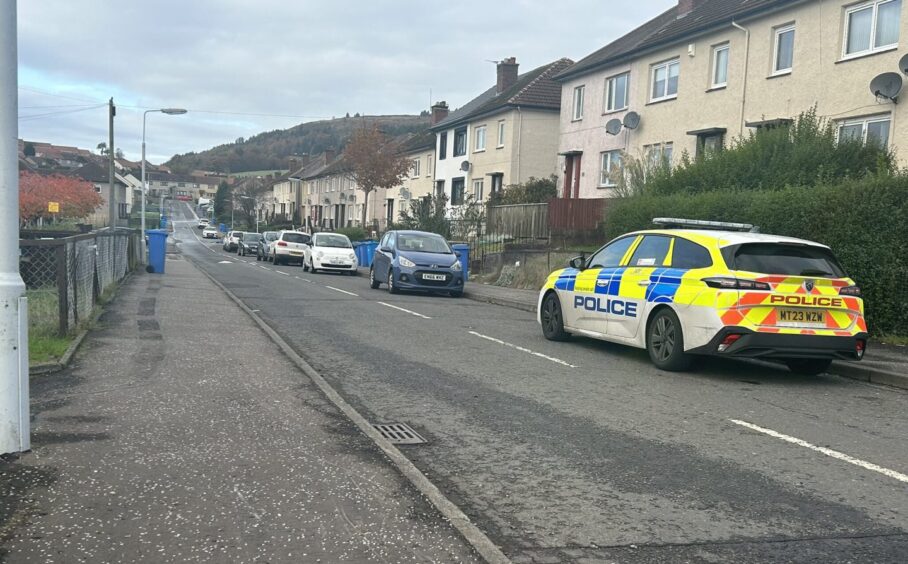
269	150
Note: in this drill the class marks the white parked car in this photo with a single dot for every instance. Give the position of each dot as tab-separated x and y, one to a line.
210	232
331	252
203	223
290	246
232	241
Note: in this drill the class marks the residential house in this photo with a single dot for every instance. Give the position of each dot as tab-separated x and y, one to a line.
99	176
332	198
504	136
180	186
707	71
385	205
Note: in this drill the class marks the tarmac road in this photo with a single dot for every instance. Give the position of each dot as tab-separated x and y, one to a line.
583	451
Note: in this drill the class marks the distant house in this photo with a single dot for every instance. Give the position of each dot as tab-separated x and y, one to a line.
503	136
181	187
100	177
385	205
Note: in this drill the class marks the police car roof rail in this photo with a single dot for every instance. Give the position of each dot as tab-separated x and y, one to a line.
675	222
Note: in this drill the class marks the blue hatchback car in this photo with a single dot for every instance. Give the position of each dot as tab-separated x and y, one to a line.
416	260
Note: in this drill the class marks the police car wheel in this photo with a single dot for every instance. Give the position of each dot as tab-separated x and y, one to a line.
552	319
808	366
665	342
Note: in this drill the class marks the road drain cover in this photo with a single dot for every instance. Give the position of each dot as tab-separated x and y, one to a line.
400	434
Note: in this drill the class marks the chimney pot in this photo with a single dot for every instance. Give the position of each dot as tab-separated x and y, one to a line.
507	74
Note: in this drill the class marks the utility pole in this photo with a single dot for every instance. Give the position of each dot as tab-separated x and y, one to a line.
14	408
112	198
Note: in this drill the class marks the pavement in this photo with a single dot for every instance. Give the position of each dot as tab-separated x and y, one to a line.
882	364
181	433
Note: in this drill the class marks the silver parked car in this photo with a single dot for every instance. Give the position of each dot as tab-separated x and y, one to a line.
264	252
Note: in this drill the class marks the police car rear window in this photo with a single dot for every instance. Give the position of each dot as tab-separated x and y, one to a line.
783	259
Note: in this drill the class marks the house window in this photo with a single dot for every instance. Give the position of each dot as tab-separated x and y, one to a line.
665	80
457	194
389	215
578	103
659	154
414	170
428	165
710	143
869	129
497	181
501	133
477	190
442	146
871	26
720	66
616	92
610	165
480	138
439	188
460	142
784	49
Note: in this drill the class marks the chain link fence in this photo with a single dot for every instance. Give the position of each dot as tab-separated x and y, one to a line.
64	278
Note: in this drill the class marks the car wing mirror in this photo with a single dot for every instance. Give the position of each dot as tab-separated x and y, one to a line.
578	262
457	254
386	250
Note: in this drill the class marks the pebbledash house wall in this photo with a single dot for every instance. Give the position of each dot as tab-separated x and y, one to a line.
821	75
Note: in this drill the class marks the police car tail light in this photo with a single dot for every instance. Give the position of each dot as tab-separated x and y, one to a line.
859	347
850	291
728	341
735	284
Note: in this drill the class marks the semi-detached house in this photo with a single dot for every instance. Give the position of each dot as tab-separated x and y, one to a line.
503	136
707	71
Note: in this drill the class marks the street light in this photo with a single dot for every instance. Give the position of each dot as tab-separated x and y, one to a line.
170	112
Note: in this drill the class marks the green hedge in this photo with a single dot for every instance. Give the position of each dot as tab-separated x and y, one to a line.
865	222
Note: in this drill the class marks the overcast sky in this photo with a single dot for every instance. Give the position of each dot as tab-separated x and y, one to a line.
303	60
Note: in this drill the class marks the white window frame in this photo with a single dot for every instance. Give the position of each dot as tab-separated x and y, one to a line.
715	66
414	172
479	134
429	159
652	75
875	5
777	38
500	133
478	194
865	122
577	108
610	83
605	169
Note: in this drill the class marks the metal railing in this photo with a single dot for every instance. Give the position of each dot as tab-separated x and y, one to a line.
65	277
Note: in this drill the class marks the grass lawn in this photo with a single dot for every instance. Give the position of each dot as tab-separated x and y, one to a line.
43	348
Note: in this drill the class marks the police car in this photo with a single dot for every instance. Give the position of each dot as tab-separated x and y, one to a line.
710	288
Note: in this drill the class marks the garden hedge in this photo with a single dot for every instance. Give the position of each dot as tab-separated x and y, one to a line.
864	221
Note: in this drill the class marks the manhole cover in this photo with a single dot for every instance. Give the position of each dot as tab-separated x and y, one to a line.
400	434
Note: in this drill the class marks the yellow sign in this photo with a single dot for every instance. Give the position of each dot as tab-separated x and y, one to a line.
53	207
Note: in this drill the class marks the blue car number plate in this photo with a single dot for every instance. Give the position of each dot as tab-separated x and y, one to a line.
433	276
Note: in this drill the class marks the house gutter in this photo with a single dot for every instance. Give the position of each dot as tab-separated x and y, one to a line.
746	64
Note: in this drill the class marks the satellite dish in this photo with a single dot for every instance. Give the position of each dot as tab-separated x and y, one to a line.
887	85
465	166
631	120
613	127
903	64
404	194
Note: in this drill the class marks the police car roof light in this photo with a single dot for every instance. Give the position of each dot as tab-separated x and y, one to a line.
674	222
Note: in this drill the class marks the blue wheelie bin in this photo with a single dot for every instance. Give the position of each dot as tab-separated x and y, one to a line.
358	251
464	251
368	252
157	248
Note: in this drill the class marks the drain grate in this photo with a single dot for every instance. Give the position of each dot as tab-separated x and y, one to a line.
400	434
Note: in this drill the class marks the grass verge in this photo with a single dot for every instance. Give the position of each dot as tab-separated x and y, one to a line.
47	348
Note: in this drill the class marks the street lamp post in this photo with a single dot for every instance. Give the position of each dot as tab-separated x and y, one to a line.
168	111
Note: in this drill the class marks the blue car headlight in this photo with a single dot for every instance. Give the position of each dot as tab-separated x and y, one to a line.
405	262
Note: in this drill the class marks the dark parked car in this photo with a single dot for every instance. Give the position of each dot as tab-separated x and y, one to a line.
249	244
416	260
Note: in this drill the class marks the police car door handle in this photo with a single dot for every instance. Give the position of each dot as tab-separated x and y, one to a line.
643	282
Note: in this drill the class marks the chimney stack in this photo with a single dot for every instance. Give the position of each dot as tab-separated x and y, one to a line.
685	7
330	154
304	158
507	74
439	112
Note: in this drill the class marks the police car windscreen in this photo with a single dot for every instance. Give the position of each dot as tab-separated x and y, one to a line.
789	260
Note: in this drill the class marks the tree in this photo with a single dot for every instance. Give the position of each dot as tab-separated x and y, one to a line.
374	163
77	197
533	191
428	213
119	153
29	149
222	205
102	148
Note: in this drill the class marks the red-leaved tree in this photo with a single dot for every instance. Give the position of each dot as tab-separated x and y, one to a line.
77	197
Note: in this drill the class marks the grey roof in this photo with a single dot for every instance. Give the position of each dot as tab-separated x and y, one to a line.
667	28
533	89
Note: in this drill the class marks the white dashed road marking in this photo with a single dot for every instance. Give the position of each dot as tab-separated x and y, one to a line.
342	291
823	450
522	349
280	272
405	310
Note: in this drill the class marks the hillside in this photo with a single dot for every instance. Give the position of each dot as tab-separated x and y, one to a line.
270	150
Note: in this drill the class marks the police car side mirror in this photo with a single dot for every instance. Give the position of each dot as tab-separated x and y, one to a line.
578	262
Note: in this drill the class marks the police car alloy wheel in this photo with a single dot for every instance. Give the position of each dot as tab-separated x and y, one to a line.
665	342
552	319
